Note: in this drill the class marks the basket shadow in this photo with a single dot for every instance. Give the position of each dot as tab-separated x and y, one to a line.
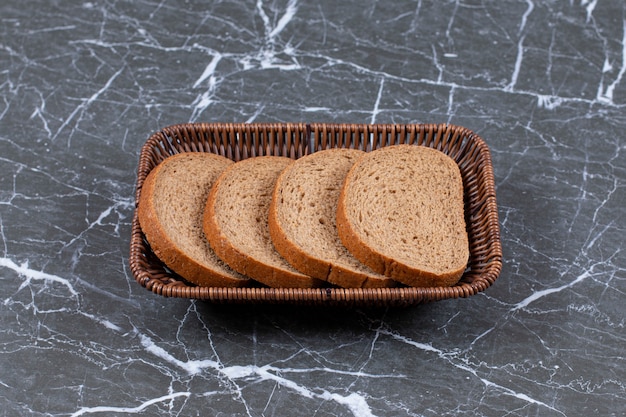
248	318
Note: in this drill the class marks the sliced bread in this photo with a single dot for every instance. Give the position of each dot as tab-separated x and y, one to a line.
170	210
401	213
302	220
235	223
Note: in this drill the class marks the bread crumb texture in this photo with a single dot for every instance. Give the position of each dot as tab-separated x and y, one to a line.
170	211
303	220
403	214
236	222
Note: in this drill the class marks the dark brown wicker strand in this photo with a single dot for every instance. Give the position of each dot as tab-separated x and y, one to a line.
241	140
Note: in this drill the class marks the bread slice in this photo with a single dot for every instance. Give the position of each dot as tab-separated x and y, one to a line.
302	220
401	213
170	208
235	223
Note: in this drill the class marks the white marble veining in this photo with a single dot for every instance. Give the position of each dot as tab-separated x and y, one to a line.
82	86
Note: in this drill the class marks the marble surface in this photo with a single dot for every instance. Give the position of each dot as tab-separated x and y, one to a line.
82	86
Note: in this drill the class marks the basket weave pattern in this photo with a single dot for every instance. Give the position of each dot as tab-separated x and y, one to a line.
239	141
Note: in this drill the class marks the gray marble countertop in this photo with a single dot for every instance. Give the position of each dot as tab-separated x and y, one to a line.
83	85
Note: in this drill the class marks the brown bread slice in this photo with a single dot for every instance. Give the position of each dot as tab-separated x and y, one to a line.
170	210
235	223
401	213
302	220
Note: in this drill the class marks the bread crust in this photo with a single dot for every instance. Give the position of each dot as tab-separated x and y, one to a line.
163	246
383	263
306	262
241	261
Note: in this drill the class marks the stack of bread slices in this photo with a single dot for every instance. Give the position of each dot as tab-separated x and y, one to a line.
338	217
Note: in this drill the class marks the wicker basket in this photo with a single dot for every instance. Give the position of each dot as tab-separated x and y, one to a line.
239	141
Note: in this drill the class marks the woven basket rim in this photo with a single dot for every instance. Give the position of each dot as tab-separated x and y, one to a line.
242	140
